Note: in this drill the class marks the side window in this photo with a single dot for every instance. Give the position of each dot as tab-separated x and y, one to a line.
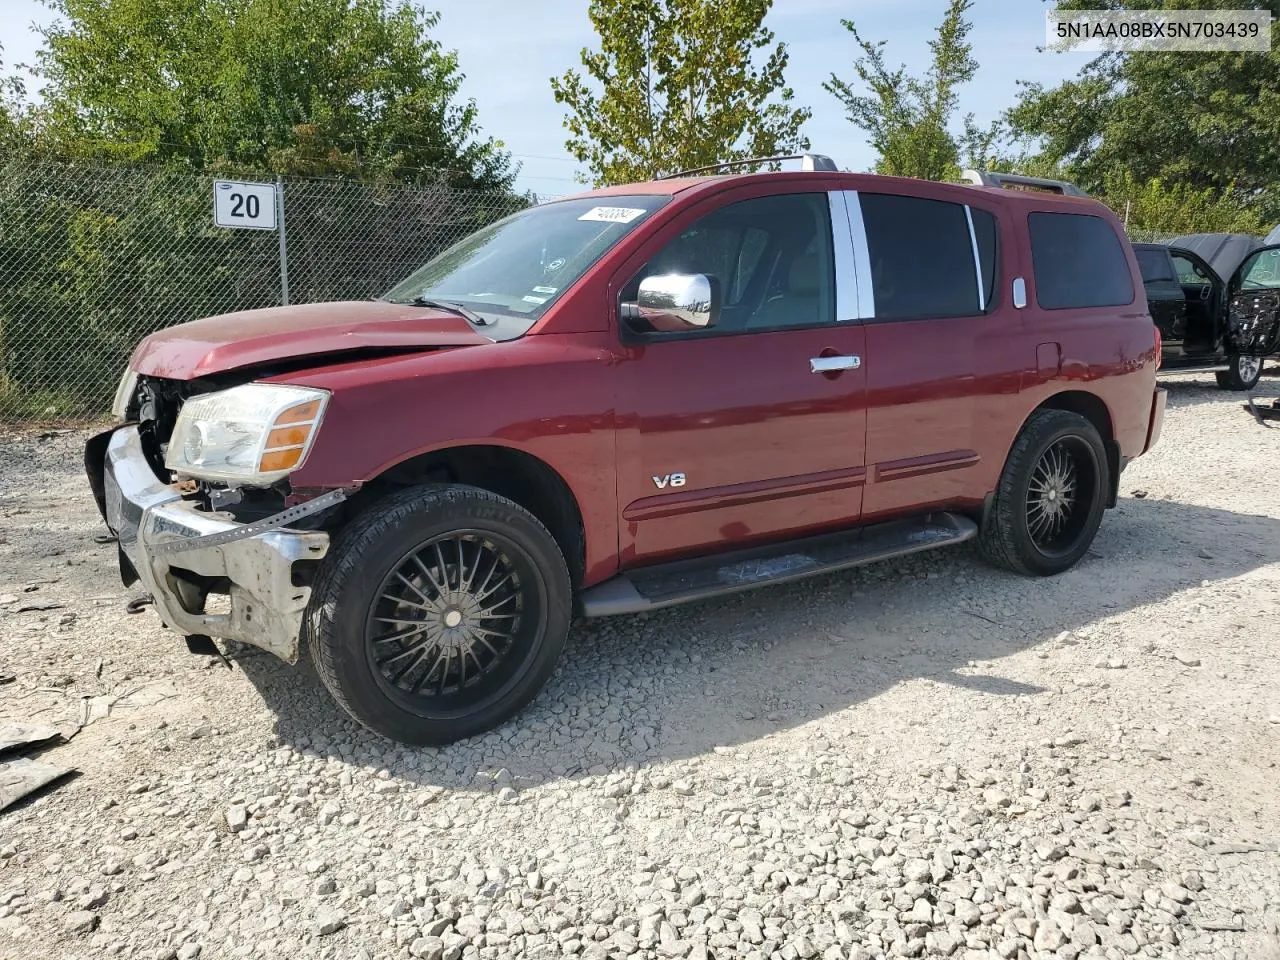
987	234
750	250
1155	266
1078	262
1189	272
771	258
921	257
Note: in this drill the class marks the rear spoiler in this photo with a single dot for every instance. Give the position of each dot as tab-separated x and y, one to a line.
1016	181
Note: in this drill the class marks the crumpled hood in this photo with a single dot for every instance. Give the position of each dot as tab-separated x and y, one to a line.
252	337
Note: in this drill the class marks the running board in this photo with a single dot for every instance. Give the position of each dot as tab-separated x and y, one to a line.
1177	371
651	588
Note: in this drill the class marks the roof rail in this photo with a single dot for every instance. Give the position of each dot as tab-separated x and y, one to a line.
1016	181
810	161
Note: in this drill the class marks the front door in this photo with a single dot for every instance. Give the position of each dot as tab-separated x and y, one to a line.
753	429
1253	305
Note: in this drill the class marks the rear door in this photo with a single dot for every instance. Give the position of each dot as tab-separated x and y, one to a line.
1205	299
754	428
932	265
1165	297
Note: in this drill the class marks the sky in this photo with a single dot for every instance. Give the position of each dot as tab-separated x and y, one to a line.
509	50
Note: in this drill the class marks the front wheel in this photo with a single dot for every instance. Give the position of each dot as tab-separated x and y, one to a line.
1242	373
439	613
1051	496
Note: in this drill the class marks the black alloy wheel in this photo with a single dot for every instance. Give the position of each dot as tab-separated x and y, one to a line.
452	622
1050	498
439	613
1059	494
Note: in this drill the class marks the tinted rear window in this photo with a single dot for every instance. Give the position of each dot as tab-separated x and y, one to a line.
1155	266
1078	262
986	233
921	257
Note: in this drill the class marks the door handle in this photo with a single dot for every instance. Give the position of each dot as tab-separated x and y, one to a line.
833	364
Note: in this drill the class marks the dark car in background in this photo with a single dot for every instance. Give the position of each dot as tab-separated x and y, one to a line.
1215	298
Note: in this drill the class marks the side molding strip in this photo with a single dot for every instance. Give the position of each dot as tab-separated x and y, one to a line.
923	466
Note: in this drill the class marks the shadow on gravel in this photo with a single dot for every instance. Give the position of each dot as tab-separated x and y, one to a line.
679	683
1193	390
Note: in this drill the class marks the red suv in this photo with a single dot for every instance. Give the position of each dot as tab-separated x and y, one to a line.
624	400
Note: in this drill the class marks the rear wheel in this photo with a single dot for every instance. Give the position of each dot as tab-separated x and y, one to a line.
439	613
1242	373
1051	496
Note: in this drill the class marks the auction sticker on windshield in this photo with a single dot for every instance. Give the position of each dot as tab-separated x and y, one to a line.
613	214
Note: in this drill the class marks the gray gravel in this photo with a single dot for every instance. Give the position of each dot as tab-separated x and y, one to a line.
925	758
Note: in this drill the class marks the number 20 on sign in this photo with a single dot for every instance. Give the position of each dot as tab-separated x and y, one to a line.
249	206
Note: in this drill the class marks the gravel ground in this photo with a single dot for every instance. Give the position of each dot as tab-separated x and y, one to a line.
924	758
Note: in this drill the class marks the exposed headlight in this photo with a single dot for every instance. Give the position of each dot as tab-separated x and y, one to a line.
251	435
124	393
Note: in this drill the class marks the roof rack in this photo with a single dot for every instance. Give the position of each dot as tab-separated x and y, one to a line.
1016	181
810	161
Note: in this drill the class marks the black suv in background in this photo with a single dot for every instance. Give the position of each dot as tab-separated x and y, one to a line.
1215	298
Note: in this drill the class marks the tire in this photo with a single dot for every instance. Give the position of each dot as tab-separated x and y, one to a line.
1243	373
379	609
1022	534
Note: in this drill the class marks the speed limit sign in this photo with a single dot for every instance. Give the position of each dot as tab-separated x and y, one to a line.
248	206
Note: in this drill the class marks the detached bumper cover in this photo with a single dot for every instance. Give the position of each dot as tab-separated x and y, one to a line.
150	519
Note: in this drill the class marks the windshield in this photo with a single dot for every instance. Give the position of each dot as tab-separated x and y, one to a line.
511	272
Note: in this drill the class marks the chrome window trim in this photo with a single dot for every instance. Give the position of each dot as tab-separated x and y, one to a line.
846	305
977	261
861	256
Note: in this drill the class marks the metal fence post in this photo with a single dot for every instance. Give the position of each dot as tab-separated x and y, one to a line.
284	243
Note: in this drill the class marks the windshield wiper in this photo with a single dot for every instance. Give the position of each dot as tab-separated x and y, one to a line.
469	315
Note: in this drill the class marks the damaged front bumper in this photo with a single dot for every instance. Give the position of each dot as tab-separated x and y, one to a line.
177	550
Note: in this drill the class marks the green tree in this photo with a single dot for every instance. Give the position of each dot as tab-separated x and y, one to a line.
1207	121
1155	206
678	88
908	119
13	114
288	86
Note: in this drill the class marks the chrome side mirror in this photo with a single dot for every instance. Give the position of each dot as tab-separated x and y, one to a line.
678	302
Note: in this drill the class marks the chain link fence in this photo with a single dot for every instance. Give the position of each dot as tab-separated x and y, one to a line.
94	257
1150	236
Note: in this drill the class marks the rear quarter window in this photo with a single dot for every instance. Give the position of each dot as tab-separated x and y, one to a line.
1078	262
